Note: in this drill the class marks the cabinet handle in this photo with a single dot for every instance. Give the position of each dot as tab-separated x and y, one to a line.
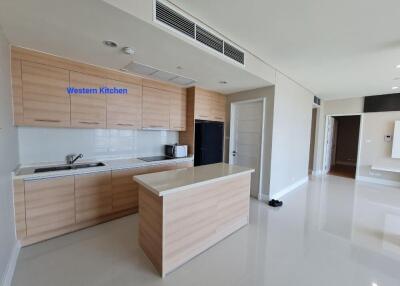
48	120
180	127
124	124
89	122
220	118
204	116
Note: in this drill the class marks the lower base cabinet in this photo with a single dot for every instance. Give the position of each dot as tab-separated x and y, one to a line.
56	206
93	196
50	205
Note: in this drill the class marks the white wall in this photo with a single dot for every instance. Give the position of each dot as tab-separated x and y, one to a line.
39	145
374	149
291	134
9	160
268	93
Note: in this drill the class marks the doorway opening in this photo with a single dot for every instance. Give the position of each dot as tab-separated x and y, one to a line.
246	144
342	144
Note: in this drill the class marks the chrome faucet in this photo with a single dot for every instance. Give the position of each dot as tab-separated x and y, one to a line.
72	158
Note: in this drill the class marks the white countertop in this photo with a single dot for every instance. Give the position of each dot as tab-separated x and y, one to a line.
168	182
27	172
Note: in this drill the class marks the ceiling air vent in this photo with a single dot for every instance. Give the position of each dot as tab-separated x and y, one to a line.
233	53
317	100
177	21
209	39
174	20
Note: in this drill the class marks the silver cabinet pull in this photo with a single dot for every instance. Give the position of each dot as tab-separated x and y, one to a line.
89	122
124	124
48	120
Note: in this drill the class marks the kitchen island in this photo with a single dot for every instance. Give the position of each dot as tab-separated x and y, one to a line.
184	212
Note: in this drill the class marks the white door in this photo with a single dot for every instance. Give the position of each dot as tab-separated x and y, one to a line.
246	139
329	143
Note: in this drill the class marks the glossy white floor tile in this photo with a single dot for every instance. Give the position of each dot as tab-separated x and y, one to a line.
330	231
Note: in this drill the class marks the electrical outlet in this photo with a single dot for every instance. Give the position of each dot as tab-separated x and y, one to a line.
388	138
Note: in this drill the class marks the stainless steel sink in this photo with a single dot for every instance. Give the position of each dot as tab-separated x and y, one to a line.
68	167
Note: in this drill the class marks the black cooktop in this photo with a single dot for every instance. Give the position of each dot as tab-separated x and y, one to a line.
155	158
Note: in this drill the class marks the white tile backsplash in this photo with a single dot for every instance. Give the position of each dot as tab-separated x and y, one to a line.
37	145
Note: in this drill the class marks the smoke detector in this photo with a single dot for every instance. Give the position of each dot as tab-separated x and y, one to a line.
128	50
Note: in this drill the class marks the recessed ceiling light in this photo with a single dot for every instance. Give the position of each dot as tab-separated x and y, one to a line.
110	44
374	284
395	87
128	50
398	66
223	82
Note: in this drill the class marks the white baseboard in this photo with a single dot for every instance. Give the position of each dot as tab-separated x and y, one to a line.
378	181
290	188
9	272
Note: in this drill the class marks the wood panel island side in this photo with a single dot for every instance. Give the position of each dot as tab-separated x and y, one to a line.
184	212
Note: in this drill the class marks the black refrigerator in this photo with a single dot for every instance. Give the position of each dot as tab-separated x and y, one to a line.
209	142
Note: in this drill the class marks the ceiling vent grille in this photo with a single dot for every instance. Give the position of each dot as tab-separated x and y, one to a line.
209	39
175	20
233	53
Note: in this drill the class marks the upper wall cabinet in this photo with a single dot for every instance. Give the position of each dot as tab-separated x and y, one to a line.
155	108
209	105
40	96
164	106
45	98
88	110
177	111
124	111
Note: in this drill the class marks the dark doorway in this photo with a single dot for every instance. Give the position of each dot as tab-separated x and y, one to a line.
345	146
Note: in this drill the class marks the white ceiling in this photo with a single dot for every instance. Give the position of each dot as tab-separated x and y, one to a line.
337	49
76	29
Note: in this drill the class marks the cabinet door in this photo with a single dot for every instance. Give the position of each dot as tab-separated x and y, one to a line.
124	111
125	189
177	111
218	107
183	165
88	110
50	204
45	98
93	196
155	108
202	104
161	168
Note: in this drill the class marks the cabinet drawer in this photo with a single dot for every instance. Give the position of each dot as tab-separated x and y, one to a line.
50	204
93	196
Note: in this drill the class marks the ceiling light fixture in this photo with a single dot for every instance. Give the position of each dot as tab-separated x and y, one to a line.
110	44
374	284
223	82
128	50
398	66
395	87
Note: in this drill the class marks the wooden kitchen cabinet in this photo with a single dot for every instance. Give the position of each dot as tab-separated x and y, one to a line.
124	111
45	98
125	189
50	205
155	108
88	110
93	196
177	111
209	105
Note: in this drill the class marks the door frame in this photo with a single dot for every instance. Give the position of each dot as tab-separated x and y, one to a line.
359	139
232	131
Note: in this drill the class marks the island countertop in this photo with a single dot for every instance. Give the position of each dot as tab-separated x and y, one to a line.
164	183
